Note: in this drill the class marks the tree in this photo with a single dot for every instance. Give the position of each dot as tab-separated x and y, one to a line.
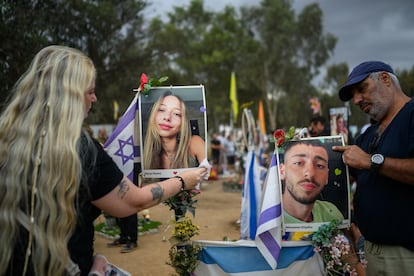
291	49
200	47
406	78
274	54
111	33
20	43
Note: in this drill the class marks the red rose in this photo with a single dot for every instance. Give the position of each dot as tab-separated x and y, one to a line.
279	136
144	81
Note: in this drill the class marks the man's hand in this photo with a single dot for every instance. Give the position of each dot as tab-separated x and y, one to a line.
354	156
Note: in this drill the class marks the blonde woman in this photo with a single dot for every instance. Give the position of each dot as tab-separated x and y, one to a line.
168	141
55	179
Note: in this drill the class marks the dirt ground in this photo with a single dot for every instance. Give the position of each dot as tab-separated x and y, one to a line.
216	214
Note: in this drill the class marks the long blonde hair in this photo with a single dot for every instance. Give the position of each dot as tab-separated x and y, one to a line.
44	118
152	144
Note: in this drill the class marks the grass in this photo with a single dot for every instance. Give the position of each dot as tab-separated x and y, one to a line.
114	231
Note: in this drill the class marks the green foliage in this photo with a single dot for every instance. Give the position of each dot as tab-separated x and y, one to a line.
158	82
183	202
274	52
183	253
184	230
336	250
325	233
407	80
114	231
110	32
184	259
111	231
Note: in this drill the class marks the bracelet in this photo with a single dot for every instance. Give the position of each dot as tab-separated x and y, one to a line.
182	182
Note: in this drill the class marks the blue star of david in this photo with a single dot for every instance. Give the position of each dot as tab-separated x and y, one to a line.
126	150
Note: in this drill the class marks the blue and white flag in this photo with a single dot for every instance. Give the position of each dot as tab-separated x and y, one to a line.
252	193
242	258
269	231
120	145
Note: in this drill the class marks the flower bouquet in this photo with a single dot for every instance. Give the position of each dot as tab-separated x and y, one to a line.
183	253
336	250
182	202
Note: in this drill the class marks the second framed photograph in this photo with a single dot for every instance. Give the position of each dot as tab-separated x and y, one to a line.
338	117
315	186
173	126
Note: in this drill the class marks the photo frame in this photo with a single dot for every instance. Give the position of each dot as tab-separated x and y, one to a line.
194	99
335	192
338	119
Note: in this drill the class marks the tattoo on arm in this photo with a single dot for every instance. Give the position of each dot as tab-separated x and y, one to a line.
157	192
123	188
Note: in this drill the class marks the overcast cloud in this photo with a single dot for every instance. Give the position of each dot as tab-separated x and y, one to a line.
366	29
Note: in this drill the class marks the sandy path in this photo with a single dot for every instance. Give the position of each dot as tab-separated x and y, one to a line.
216	214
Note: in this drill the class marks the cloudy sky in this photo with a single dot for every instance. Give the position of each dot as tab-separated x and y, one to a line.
366	29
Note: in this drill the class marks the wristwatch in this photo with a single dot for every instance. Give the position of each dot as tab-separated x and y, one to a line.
376	162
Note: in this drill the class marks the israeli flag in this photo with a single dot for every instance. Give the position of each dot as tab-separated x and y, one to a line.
243	258
269	231
120	145
251	196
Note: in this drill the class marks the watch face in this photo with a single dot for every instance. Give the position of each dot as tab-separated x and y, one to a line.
377	159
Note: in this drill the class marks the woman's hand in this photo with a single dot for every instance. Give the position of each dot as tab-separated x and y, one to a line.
193	177
99	266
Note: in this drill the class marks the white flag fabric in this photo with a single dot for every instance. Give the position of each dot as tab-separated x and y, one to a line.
120	145
252	193
242	258
269	233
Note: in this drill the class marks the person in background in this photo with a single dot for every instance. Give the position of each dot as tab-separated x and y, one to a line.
382	162
223	154
56	179
366	126
230	148
215	146
102	135
128	226
317	126
128	236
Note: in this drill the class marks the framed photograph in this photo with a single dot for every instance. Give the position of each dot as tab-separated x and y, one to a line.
338	118
168	118
314	183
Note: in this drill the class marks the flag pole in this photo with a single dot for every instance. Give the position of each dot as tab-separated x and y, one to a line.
231	119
